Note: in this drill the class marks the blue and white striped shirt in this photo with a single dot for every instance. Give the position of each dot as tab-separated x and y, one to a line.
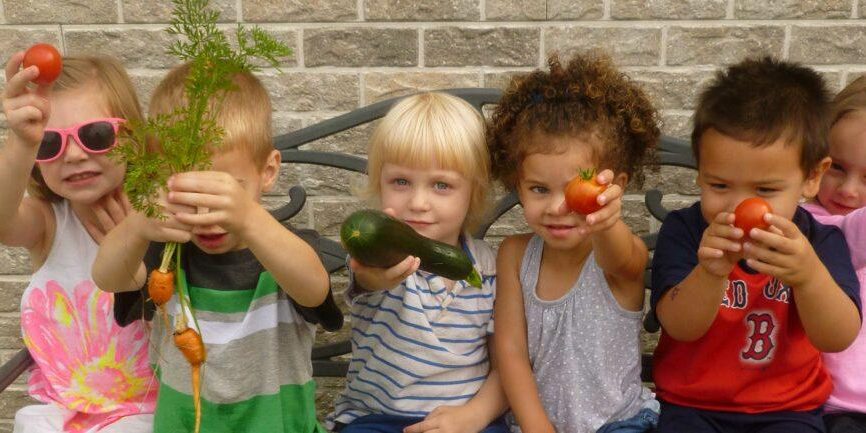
418	346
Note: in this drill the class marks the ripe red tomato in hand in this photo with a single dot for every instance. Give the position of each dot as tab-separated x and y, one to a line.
581	193
47	59
749	215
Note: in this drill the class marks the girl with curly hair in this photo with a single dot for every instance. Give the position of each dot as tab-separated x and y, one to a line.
570	295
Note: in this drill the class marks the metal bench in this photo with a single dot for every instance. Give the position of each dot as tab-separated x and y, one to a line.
672	152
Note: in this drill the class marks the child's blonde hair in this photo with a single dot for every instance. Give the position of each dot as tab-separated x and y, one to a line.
244	116
108	76
851	98
434	130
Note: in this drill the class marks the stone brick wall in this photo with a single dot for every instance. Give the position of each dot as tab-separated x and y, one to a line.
350	53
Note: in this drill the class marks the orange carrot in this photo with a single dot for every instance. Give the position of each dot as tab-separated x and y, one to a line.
160	286
190	344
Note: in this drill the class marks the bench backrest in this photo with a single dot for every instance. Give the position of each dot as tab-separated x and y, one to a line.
672	152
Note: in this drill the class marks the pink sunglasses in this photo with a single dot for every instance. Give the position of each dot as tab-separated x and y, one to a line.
95	136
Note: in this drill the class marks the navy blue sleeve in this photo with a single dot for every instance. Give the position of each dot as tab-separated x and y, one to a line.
676	253
830	246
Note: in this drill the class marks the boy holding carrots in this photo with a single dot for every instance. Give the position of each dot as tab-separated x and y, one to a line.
745	316
256	287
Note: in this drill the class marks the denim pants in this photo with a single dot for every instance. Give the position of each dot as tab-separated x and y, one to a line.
644	421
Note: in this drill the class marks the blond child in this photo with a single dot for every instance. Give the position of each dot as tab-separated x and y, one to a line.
419	341
841	201
91	374
249	279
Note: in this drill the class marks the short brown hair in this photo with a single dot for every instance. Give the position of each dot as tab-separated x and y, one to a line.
589	97
851	98
763	100
110	79
245	113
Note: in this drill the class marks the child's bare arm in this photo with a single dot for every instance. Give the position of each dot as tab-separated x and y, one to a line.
118	266
829	317
293	263
687	310
511	350
23	221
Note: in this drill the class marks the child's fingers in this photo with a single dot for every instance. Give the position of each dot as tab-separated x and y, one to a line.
202	219
17	85
114	207
25	116
96	232
710	253
174	235
788	228
611	194
604	177
605	214
211	182
427	425
103	217
773	241
197	200
14	64
402	270
764	254
764	268
724	231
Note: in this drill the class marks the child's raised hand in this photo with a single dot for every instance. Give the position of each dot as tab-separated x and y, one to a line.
720	245
448	419
372	278
165	229
110	211
783	252
219	195
611	205
26	109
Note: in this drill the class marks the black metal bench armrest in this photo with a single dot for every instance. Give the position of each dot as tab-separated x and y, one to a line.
13	368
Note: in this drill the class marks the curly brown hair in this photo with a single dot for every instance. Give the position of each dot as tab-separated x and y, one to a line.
589	99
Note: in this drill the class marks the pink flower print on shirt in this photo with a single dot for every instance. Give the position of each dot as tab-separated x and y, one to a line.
85	362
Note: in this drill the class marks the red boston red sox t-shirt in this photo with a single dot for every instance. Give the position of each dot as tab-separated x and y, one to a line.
756	356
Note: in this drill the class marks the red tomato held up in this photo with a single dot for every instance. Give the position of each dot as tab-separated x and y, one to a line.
581	193
749	215
47	59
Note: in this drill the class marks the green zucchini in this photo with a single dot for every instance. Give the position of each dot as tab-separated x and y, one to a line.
374	238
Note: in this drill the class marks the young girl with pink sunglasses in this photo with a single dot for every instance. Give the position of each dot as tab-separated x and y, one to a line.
91	374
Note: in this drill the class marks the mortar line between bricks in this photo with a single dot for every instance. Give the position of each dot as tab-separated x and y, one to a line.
362	80
855	8
120	18
3	12
239	15
729	11
421	53
843	78
361	15
786	43
541	47
299	36
15	278
605	10
663	50
482	10
625	24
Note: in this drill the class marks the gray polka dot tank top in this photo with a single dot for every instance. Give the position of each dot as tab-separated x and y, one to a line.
584	349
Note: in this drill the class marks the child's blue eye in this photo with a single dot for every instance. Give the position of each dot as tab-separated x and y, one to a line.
718	186
441	185
538	189
400	181
765	191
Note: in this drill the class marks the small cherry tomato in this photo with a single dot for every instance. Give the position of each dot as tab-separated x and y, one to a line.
749	215
47	59
581	193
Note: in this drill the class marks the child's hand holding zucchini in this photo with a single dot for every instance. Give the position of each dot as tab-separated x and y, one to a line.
385	251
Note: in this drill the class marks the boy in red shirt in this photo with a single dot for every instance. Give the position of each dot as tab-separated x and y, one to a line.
746	315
